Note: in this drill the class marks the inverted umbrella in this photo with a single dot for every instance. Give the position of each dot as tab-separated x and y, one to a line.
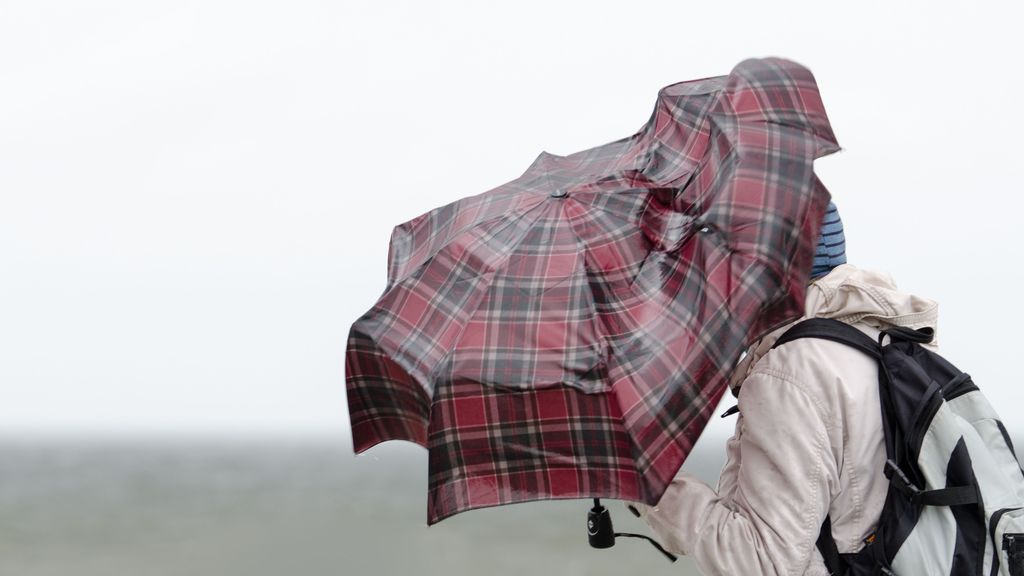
568	334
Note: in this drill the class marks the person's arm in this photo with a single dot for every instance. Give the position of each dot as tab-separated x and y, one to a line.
730	472
768	521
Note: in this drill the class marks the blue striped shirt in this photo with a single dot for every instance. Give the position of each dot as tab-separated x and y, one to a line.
831	251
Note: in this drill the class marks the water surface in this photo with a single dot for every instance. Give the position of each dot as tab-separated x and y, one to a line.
161	507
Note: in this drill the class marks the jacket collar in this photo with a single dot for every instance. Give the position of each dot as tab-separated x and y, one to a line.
851	295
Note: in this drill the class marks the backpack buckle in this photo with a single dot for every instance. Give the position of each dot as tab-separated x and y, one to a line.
901	481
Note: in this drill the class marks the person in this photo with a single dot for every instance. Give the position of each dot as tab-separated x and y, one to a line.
808	441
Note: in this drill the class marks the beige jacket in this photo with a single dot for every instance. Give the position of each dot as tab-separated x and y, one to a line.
808	442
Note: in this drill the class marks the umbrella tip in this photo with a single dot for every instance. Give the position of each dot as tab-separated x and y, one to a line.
559	194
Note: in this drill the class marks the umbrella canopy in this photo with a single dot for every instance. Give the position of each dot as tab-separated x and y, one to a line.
568	334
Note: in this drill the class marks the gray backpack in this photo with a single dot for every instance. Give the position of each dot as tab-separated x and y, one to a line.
955	503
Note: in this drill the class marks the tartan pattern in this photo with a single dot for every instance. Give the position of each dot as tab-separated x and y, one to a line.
567	334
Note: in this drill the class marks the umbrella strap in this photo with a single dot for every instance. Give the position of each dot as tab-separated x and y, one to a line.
653	542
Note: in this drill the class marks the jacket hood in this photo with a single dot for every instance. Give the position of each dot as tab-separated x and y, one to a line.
855	296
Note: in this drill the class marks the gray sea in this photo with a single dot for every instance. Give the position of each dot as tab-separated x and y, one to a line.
296	507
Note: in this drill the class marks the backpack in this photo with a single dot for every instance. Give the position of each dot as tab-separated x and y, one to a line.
955	502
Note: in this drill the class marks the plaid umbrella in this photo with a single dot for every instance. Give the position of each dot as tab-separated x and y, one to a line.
568	334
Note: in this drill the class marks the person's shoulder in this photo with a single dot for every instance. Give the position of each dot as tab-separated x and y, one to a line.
833	378
822	364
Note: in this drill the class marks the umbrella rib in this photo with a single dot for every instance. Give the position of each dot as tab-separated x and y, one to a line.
628	218
507	218
508	253
582	246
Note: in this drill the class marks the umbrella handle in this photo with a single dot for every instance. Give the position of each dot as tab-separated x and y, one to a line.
599	526
601	534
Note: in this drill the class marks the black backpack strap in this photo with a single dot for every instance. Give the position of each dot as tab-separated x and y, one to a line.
829	550
919	335
833	330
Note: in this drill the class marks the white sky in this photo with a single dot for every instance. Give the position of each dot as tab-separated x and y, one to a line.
197	196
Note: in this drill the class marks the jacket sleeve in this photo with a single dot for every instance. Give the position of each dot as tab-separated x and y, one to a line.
774	494
727	478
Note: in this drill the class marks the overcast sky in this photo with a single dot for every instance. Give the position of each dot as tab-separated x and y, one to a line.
197	197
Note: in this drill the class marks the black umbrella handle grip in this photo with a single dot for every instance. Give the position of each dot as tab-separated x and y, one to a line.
599	526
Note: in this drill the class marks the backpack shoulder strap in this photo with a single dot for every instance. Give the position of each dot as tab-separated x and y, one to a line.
829	551
833	330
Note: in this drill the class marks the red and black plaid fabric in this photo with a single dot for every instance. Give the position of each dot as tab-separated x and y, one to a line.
567	334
